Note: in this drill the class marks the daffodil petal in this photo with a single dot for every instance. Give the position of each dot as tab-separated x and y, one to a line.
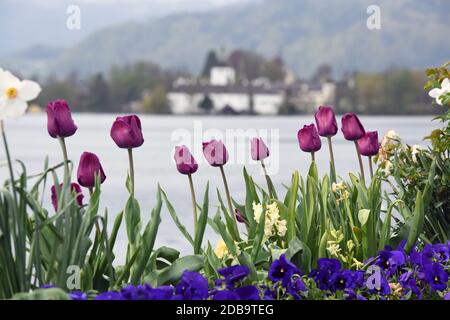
28	90
435	93
14	108
7	79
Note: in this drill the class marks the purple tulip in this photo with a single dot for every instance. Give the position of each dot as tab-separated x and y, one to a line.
74	187
239	216
309	139
352	127
88	168
259	150
186	163
368	145
127	132
59	120
326	121
215	153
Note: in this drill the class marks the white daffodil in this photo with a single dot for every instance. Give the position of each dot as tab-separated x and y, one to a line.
15	94
437	93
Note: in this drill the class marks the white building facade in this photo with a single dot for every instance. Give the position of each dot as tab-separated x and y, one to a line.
186	95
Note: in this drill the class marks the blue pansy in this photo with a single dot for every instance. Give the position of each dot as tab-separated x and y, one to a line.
192	286
436	252
226	295
282	271
436	276
248	293
78	295
232	275
390	260
326	268
109	295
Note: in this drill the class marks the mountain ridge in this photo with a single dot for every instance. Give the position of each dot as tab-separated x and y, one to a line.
305	33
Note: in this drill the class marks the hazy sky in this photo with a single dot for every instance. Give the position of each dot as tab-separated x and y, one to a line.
27	22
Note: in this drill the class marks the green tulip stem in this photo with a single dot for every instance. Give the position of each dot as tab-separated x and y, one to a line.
66	159
263	165
194	202
8	157
330	148
361	166
371	167
130	158
227	191
313	157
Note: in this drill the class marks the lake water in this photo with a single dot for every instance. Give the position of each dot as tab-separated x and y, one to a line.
30	143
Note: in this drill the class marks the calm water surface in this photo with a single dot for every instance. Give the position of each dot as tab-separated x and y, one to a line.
30	143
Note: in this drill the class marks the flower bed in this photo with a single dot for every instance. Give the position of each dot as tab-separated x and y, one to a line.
324	238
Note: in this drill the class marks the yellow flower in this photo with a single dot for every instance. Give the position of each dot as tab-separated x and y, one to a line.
336	187
396	289
336	235
358	264
350	245
221	249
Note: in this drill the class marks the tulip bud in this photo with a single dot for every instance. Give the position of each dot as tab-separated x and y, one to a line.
352	127
88	168
184	160
74	187
215	153
59	120
259	150
309	139
368	145
239	216
326	121
127	132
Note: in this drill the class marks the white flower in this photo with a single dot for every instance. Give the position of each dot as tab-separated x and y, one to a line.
14	95
388	166
415	149
436	93
257	211
273	212
281	227
333	249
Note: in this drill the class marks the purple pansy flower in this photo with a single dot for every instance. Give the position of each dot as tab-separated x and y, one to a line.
192	286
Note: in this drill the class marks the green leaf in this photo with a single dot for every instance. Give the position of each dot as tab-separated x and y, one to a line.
173	273
363	216
291	231
175	219
225	235
416	223
201	223
300	254
132	219
148	240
